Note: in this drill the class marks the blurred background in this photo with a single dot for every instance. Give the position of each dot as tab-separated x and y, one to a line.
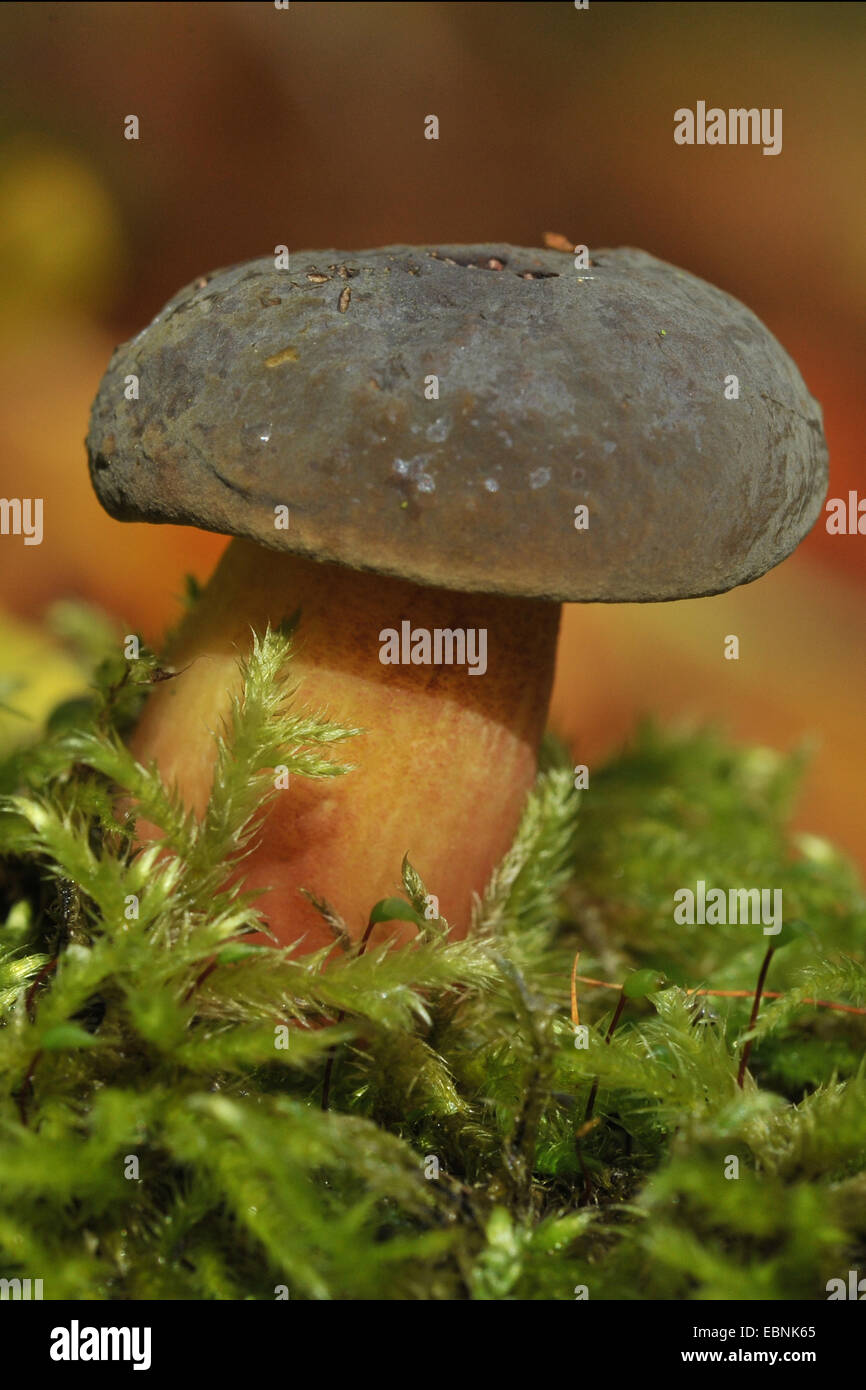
304	126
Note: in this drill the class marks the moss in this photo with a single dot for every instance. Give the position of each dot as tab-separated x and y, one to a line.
161	1125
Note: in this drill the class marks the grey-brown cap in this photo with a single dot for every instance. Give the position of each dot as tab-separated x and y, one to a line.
439	412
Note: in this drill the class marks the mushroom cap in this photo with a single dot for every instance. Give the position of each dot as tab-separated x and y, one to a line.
314	388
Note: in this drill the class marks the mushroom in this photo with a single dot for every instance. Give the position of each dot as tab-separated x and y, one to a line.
460	439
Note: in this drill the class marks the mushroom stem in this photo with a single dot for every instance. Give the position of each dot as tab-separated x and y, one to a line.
443	766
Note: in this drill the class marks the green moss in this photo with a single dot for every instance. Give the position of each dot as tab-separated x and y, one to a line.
161	1127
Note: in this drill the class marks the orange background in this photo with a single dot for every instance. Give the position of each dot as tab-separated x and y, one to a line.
305	127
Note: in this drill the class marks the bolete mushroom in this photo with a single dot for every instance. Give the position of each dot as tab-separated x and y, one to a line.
426	449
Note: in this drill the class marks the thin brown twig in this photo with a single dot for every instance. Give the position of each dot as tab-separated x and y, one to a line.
37	980
575	1016
200	979
733	994
753	1017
